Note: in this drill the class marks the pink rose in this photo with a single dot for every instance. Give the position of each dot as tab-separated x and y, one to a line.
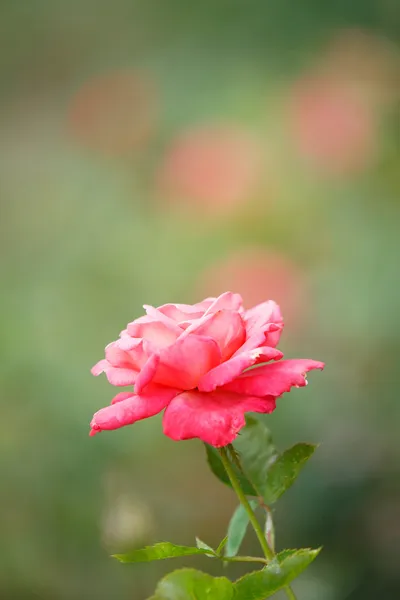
193	361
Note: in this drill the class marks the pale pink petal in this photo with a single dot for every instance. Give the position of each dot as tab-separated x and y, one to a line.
116	376
158	315
121	377
158	333
232	368
274	379
183	364
226	301
137	350
99	367
147	374
132	409
215	418
127	343
225	327
257	317
181	312
118	357
122	396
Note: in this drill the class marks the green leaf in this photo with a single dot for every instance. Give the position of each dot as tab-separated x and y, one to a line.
275	576
203	546
256	452
237	529
189	584
285	470
217	468
160	551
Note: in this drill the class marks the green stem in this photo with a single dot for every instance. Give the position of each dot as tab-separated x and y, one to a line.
244	559
268	552
245	503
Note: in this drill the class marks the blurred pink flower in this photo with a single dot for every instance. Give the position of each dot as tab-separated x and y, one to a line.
332	124
213	168
113	113
260	274
192	361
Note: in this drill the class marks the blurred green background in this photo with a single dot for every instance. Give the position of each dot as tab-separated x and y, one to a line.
162	151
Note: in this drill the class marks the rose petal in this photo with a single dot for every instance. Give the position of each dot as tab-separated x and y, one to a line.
257	317
132	409
259	338
227	301
99	367
215	418
158	333
274	379
225	327
122	396
147	374
115	375
232	368
183	364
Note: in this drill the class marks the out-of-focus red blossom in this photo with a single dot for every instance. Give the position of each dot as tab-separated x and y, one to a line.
193	361
261	274
212	168
332	124
113	113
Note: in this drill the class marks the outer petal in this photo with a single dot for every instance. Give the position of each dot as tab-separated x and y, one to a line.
225	327
122	396
259	316
115	375
226	301
259	338
274	379
147	374
231	369
215	418
132	409
183	364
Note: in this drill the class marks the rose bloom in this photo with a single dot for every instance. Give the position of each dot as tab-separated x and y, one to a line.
193	361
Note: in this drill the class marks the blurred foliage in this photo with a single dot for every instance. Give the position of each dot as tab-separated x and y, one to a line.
88	236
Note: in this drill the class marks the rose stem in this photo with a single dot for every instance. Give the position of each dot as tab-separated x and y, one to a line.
269	554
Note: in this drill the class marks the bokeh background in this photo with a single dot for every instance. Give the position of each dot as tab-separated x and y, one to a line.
165	151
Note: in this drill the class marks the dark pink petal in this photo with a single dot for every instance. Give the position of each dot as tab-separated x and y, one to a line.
225	327
147	374
232	368
122	396
132	409
158	333
226	301
274	379
215	418
183	364
257	317
258	339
